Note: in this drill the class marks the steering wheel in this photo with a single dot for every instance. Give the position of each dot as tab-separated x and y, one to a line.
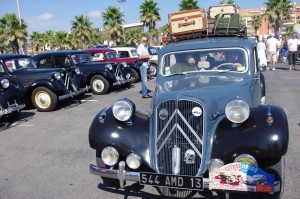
226	66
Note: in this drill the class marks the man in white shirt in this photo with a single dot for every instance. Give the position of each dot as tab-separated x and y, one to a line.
293	50
144	55
272	45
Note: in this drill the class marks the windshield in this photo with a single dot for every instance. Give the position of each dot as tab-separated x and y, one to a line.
81	58
111	54
18	64
205	60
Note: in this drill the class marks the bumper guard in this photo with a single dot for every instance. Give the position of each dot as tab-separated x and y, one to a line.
11	108
75	93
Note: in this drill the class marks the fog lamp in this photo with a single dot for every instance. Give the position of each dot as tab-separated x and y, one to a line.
246	158
110	156
4	83
237	111
123	110
133	161
124	64
215	164
77	71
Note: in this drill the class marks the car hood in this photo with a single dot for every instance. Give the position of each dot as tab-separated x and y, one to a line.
213	92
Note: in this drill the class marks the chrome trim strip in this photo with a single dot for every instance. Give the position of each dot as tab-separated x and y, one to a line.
11	108
166	126
162	145
188	139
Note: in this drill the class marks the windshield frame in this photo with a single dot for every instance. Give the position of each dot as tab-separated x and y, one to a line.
207	51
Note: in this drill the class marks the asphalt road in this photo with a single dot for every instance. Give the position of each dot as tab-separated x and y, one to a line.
47	155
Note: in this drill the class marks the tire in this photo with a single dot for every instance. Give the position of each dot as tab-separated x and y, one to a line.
99	85
43	99
153	70
136	76
276	166
106	181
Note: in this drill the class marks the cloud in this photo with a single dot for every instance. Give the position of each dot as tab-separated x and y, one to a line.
95	14
46	16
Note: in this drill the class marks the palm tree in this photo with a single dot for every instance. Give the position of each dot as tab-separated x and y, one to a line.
95	38
61	39
256	23
226	1
113	21
81	27
149	15
12	33
132	37
50	38
188	5
35	41
276	10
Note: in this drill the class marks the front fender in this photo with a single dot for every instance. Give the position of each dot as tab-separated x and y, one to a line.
105	131
255	136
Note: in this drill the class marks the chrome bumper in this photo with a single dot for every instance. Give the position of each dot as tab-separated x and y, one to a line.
75	93
11	108
121	82
123	175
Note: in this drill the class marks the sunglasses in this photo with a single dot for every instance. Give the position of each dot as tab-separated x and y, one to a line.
144	40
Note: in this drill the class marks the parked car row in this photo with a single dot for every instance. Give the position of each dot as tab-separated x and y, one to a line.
45	79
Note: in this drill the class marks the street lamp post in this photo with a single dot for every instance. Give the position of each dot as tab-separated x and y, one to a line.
19	12
121	2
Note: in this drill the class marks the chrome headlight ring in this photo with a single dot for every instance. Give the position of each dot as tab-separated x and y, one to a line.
4	83
56	76
77	71
108	66
237	111
124	64
133	161
123	110
110	156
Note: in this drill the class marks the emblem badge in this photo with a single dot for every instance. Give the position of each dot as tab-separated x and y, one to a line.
197	111
189	156
163	114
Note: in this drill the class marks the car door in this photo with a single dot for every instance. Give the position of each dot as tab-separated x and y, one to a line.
257	86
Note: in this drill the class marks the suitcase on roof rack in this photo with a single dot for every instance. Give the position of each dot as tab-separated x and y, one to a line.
188	22
228	23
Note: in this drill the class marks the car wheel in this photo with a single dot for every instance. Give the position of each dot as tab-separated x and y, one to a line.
135	74
43	99
106	181
276	166
153	70
99	85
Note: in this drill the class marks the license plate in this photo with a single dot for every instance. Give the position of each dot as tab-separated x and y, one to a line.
174	181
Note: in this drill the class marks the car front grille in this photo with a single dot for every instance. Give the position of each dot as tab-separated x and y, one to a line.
66	77
178	126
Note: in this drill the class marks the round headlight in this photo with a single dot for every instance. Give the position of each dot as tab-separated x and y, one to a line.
246	158
57	76
133	161
123	110
77	71
110	156
124	64
108	66
237	111
5	83
215	164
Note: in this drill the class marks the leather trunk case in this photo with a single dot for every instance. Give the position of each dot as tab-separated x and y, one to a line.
188	22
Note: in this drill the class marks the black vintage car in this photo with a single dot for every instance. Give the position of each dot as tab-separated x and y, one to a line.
100	76
10	95
42	87
209	118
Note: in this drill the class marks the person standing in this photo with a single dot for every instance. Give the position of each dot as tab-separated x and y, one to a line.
293	50
284	48
272	47
144	56
261	51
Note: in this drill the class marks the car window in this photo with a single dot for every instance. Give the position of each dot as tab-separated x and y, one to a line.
98	57
45	62
124	54
81	58
229	60
153	51
61	62
134	53
111	54
21	63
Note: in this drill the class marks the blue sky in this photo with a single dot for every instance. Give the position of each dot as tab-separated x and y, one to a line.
43	15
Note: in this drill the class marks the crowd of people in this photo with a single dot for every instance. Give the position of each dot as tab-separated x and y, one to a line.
275	48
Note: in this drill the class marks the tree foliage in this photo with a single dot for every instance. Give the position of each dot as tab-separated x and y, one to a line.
188	5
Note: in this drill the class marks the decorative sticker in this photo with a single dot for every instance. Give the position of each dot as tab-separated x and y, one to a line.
189	156
197	111
241	177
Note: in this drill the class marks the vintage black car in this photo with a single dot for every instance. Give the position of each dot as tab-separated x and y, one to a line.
42	87
100	76
208	117
10	94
